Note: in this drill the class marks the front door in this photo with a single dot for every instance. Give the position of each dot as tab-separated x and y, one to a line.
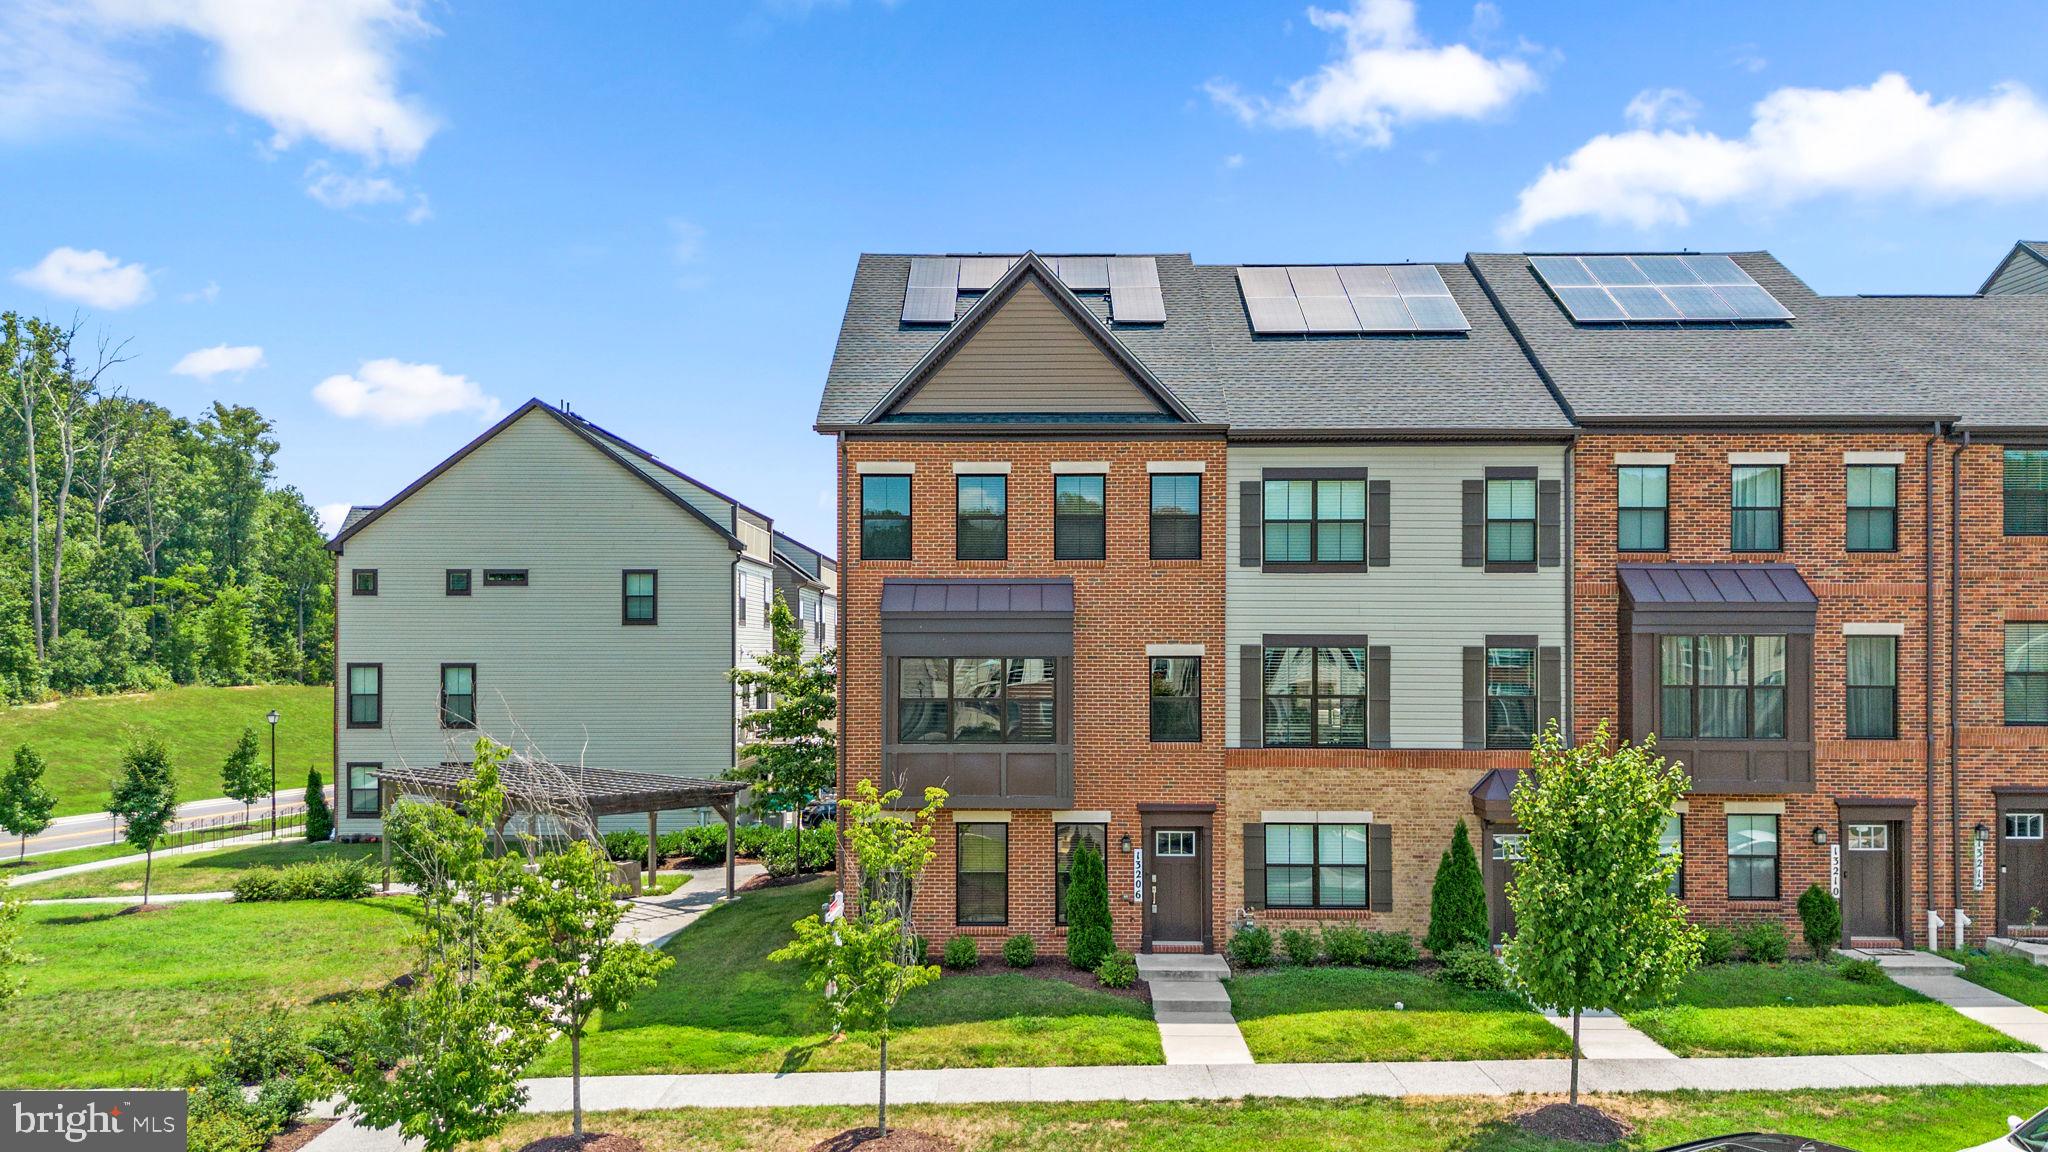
2022	871
1505	852
1870	882
1176	896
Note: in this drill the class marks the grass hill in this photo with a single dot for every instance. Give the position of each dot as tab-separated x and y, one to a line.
81	738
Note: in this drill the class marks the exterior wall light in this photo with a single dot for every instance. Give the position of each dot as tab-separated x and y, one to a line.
1125	844
1820	835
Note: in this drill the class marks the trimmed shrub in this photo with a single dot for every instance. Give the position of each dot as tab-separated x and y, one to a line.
1457	898
672	844
818	848
1472	966
1088	933
705	844
1345	945
1117	970
1717	945
1020	951
266	1045
221	1118
1764	942
1251	947
755	839
319	817
1300	945
306	880
1390	950
961	952
1860	971
625	844
1820	921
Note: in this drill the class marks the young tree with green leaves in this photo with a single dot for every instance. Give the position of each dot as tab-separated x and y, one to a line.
1089	936
1457	899
25	802
146	799
1596	925
866	960
12	958
791	754
241	775
568	907
319	817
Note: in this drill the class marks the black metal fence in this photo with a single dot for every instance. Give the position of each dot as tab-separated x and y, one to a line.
192	831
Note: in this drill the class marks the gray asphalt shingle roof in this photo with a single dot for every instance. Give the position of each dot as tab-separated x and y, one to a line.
1983	358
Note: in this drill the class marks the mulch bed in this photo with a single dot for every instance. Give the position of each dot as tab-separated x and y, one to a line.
898	1140
297	1136
589	1142
1580	1123
1054	968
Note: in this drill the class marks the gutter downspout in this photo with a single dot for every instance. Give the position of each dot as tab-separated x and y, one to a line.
1570	530
1955	637
1927	664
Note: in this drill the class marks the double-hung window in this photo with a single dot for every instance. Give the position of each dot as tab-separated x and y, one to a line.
1064	839
1176	516
1511	520
1079	529
1510	697
366	695
1757	518
1314	521
885	517
1317	865
1721	687
982	526
1315	696
637	596
2026	492
976	700
1176	699
1873	508
1644	496
1873	678
362	789
1752	857
982	877
1671	842
2026	673
458	695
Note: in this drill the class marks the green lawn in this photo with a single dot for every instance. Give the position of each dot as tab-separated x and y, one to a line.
1804	1009
724	1007
11	867
214	871
2015	976
121	998
1338	1015
1875	1120
81	738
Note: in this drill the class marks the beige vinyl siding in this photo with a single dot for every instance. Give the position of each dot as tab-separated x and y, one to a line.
1029	357
554	666
1426	606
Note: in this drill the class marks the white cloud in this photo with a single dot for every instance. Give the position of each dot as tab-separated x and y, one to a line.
221	359
331	516
1805	143
206	295
1666	106
57	71
396	392
1388	74
343	190
1234	160
92	278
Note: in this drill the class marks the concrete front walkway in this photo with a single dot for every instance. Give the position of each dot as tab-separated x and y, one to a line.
653	919
1193	1009
1935	978
1606	1036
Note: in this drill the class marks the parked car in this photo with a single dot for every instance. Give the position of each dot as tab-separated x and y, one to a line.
821	812
1758	1142
2028	1135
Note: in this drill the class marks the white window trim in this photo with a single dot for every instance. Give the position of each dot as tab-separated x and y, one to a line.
1873	457
1624	459
1293	817
1176	467
1081	816
1681	806
1080	467
885	468
981	467
1753	808
1877	628
969	816
1175	650
1760	458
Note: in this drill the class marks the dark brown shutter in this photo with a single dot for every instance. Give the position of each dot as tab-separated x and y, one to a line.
1475	523
743	601
1379	505
1255	865
1549	685
1549	524
1475	697
1251	523
1379	662
1380	871
1250	706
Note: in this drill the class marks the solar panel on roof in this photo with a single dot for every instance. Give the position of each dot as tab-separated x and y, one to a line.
1656	288
933	290
1134	294
1324	306
1349	298
979	273
1083	273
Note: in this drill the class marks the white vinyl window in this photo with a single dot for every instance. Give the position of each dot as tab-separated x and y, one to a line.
1870	837
1173	843
2023	825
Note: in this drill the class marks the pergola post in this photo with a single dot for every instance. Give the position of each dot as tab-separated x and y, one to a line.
653	850
383	829
728	810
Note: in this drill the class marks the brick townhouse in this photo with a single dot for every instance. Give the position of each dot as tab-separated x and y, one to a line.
1260	578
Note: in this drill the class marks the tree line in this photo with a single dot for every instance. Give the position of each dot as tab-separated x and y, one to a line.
139	548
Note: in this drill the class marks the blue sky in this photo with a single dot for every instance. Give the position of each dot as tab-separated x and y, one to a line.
381	221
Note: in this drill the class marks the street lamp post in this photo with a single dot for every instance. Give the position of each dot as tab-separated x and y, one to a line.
273	772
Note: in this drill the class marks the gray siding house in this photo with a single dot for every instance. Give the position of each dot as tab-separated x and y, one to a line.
556	588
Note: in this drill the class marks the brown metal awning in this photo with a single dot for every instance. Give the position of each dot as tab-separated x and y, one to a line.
1048	598
1717	595
1493	796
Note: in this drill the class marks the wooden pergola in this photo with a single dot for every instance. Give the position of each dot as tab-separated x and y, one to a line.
539	788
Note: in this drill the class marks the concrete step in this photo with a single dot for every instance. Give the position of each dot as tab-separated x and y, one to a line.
1190	995
2034	950
1156	968
1191	1016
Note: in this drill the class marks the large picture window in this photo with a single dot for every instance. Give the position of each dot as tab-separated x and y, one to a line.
1510	697
1314	521
982	527
2026	492
1079	521
2026	673
1511	521
1316	865
1644	492
885	517
1176	516
1752	857
1176	699
366	695
1757	519
1064	838
458	695
1315	697
362	789
976	700
982	875
1873	676
1721	687
1873	508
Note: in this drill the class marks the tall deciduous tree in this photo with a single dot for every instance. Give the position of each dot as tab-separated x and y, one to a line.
241	775
25	801
866	960
791	754
146	799
1596	924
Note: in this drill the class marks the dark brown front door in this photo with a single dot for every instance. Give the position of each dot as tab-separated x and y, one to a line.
1504	851
1176	886
2022	869
1870	881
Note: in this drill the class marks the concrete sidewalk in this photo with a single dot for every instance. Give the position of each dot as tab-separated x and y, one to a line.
1935	978
263	837
1606	1036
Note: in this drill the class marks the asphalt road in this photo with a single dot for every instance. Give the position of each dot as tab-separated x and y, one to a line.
91	828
